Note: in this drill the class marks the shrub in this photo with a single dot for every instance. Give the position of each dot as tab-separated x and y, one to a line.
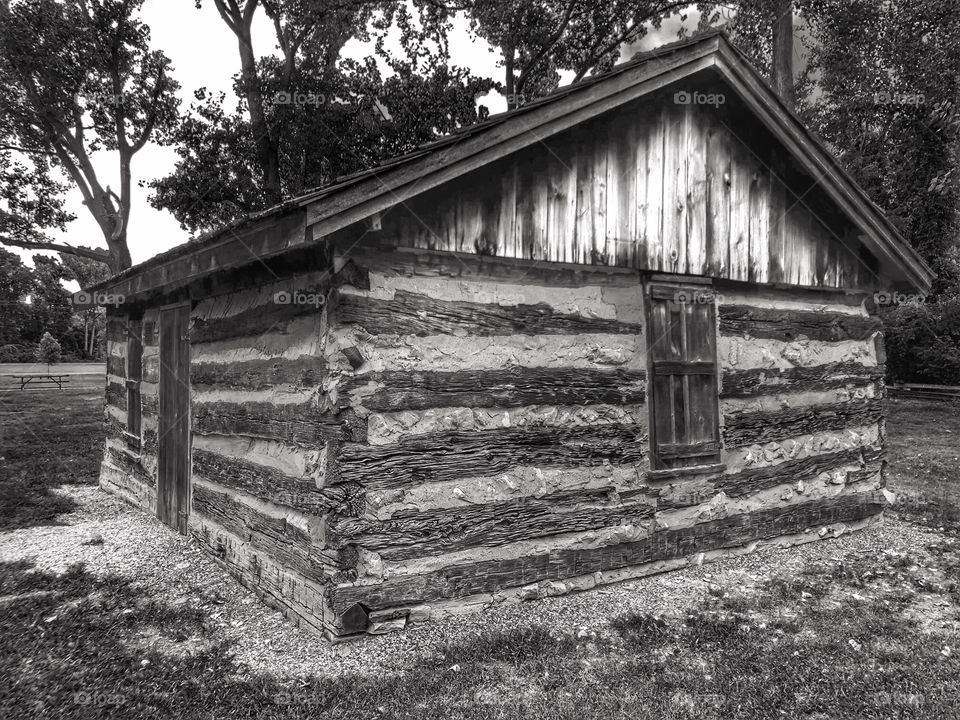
923	342
48	351
22	353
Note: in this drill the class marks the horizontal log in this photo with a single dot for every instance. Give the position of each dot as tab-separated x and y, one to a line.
412	314
117	395
130	466
116	365
750	428
770	381
287	545
435	457
259	374
149	443
116	329
270	318
463	580
788	325
277	487
804	470
401	390
149	404
299	423
411	533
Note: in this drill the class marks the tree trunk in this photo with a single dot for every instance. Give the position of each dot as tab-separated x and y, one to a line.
266	148
782	66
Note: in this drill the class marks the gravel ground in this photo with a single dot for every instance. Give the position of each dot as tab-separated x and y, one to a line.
138	547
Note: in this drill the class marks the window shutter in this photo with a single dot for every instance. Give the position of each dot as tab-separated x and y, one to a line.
682	347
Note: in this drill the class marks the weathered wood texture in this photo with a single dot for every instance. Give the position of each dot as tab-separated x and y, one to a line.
766	381
451	455
285	543
656	185
409	534
515	387
464	580
297	423
258	374
274	486
804	470
788	325
412	314
756	428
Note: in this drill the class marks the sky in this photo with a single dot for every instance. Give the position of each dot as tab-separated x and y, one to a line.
204	54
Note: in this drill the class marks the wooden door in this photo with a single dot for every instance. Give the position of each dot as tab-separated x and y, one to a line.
684	402
173	478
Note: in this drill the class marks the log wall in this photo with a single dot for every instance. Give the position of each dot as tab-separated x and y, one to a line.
410	434
496	429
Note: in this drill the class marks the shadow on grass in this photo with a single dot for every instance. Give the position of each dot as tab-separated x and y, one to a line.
838	640
48	439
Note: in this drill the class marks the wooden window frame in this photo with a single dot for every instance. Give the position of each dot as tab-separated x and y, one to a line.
706	454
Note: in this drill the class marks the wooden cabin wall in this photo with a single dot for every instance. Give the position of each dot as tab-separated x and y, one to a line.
499	433
689	189
261	433
129	463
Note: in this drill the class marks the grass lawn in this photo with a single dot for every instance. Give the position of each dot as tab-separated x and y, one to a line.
48	438
923	451
857	636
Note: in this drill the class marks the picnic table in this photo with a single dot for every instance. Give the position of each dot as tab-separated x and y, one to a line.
42	381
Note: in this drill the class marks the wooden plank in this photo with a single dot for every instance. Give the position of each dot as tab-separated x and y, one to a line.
304	371
806	470
695	129
391	391
718	201
788	325
274	486
286	544
411	533
653	216
117	365
173	455
601	253
464	580
298	423
117	395
413	314
131	467
435	457
741	180
757	428
774	381
270	318
674	242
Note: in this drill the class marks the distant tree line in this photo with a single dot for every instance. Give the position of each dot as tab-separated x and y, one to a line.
34	302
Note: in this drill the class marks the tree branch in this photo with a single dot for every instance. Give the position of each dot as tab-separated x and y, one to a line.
88	253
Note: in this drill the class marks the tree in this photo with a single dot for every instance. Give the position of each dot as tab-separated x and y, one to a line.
308	116
16	282
883	85
90	320
78	77
48	351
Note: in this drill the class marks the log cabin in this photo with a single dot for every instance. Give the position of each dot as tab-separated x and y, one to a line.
623	328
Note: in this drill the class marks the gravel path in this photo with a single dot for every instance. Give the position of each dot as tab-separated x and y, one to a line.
140	548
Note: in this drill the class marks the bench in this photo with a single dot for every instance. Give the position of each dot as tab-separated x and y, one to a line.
42	381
